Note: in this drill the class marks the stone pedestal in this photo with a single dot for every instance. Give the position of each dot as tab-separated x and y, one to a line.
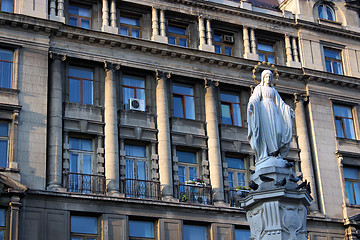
276	211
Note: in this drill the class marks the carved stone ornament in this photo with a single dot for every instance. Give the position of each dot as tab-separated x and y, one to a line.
111	66
56	56
162	74
211	83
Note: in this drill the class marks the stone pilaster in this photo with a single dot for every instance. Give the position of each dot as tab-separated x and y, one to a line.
292	58
111	130
212	128
295	50
14	218
288	50
304	145
162	23
205	41
209	33
55	141
164	140
113	14
59	14
249	44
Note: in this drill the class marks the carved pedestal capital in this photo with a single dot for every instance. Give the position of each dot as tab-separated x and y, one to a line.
161	74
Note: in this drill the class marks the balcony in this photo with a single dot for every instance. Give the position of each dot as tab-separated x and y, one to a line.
193	193
135	188
84	183
232	196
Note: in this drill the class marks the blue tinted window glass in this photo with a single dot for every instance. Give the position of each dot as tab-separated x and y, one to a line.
141	229
177	30
74	90
189	107
351	173
80	144
84	224
81	72
181	173
88	92
85	23
192	232
229	97
7	5
135	33
172	40
6	58
237	163
332	53
242	234
4	129
192	173
124	31
217	38
328	65
271	58
350	192
3	153
237	115
2	218
72	21
217	48
186	157
321	11
6	55
225	114
130	21
265	47
80	11
182	89
261	57
178	107
135	151
133	81
330	14
183	42
228	51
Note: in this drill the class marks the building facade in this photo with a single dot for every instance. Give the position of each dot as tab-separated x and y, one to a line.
127	119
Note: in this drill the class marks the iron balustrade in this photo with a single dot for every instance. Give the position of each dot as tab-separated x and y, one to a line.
84	183
135	188
194	193
232	196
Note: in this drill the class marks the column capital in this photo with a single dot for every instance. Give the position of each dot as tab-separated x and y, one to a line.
210	83
162	74
111	66
300	98
56	56
15	203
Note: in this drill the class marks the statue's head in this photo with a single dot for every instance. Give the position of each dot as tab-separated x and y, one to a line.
266	78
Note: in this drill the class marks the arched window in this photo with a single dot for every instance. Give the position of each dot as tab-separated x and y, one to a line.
326	12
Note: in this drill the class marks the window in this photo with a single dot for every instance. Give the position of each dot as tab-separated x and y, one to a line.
6	68
230	109
81	84
333	61
266	53
130	26
344	122
237	172
177	36
84	228
352	183
6	5
141	229
81	154
242	234
194	232
4	143
2	224
183	100
187	165
326	12
133	87
223	43
135	162
80	16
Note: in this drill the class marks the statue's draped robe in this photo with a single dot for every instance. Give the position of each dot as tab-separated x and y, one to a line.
269	124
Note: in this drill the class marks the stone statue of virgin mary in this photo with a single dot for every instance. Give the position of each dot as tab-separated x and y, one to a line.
269	123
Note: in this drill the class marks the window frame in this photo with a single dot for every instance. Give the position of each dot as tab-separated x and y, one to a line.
130	27
188	165
182	96
237	170
197	225
12	66
136	159
79	17
84	236
178	36
222	44
12	10
332	60
81	154
231	104
6	138
143	238
266	53
324	10
132	87
352	181
81	84
341	118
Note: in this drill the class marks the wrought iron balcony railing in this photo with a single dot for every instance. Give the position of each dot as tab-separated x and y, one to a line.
232	196
84	183
136	188
193	193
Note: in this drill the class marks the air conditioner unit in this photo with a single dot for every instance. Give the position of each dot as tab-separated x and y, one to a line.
137	104
228	39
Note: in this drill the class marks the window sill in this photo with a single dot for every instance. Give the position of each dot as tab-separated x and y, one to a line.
348	141
9	91
82	105
353	206
10	170
329	22
175	119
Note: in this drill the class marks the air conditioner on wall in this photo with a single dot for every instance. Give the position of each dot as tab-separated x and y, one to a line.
228	39
137	104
